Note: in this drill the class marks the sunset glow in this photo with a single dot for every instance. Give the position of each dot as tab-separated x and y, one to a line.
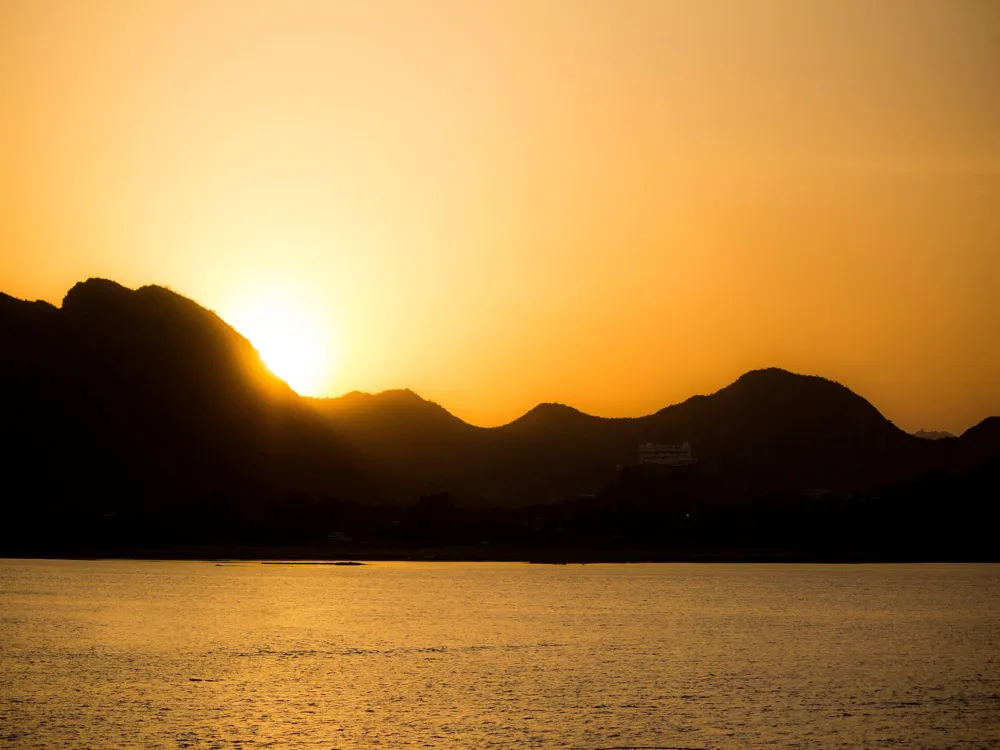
609	204
291	343
499	373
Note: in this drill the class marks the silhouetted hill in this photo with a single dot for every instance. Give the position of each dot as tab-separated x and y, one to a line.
769	432
399	410
129	403
774	431
551	418
933	434
419	447
139	415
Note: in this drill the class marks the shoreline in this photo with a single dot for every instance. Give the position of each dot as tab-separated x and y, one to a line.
359	555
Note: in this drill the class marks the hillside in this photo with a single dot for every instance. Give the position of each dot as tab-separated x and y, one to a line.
418	447
774	431
933	434
141	409
770	432
128	404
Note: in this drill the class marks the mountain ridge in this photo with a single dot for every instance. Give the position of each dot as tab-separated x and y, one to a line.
142	403
145	388
554	409
377	399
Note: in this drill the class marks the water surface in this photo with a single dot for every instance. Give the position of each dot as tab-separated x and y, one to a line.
125	654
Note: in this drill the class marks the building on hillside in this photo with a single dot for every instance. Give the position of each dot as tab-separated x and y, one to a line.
666	455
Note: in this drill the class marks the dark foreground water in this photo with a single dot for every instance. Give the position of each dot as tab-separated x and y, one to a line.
125	654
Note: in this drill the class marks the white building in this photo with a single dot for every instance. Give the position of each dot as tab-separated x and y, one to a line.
666	455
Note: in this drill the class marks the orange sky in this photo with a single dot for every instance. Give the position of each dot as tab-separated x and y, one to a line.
611	204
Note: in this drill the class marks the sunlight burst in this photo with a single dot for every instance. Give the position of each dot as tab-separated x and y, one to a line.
289	339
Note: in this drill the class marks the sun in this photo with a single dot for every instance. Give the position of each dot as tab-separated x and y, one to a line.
289	338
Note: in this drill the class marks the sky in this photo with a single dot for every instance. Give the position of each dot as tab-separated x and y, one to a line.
613	204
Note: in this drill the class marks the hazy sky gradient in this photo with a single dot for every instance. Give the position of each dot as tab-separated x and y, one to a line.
611	204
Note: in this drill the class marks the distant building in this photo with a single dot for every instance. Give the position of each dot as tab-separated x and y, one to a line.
666	455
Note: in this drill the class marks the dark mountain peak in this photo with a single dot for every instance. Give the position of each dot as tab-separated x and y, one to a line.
769	373
551	415
352	398
782	395
387	410
397	397
933	434
401	396
108	298
94	292
795	395
97	285
554	409
778	430
163	341
775	379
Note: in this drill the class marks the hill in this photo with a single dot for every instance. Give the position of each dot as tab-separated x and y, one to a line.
141	404
933	434
769	432
139	415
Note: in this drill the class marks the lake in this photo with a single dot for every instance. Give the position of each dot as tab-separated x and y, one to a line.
133	654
